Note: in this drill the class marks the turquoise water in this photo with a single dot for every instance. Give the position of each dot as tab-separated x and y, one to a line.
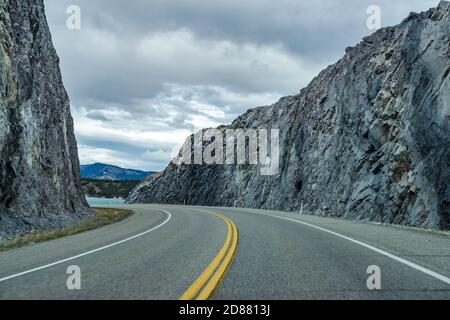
100	201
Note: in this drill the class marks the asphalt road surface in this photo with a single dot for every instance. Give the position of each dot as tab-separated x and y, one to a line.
169	252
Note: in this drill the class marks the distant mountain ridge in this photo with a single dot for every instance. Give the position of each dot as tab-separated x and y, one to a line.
103	171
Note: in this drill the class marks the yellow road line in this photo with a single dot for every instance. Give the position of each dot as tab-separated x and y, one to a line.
210	279
214	282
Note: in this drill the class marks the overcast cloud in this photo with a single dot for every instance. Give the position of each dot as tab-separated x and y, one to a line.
143	74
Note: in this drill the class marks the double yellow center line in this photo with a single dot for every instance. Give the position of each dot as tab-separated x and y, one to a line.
209	280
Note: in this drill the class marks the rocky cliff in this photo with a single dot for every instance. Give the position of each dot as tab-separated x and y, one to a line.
368	138
39	171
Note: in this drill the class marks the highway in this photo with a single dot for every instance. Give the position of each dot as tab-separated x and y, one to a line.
182	252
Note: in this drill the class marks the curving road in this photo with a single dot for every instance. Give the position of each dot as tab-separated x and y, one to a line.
169	252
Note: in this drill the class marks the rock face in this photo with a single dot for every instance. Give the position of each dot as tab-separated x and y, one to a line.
368	138
39	170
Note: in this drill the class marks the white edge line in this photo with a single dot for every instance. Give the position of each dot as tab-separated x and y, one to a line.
390	255
169	216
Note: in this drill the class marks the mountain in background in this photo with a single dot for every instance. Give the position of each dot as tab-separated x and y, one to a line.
101	171
367	139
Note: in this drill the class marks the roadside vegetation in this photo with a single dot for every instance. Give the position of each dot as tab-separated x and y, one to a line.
101	217
416	229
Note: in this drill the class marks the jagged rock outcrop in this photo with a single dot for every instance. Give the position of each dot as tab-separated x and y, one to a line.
368	138
40	185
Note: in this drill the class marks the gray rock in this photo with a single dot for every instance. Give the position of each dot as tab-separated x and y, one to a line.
367	139
40	185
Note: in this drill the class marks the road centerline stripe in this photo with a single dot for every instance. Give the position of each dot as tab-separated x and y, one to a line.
169	216
215	280
205	285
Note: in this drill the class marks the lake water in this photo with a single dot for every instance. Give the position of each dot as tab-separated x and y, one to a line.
104	201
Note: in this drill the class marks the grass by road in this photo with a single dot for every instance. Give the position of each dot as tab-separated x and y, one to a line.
101	217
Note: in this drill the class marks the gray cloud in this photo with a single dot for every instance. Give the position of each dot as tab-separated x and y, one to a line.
97	115
145	73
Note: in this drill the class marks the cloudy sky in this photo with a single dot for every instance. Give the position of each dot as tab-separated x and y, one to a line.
144	74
